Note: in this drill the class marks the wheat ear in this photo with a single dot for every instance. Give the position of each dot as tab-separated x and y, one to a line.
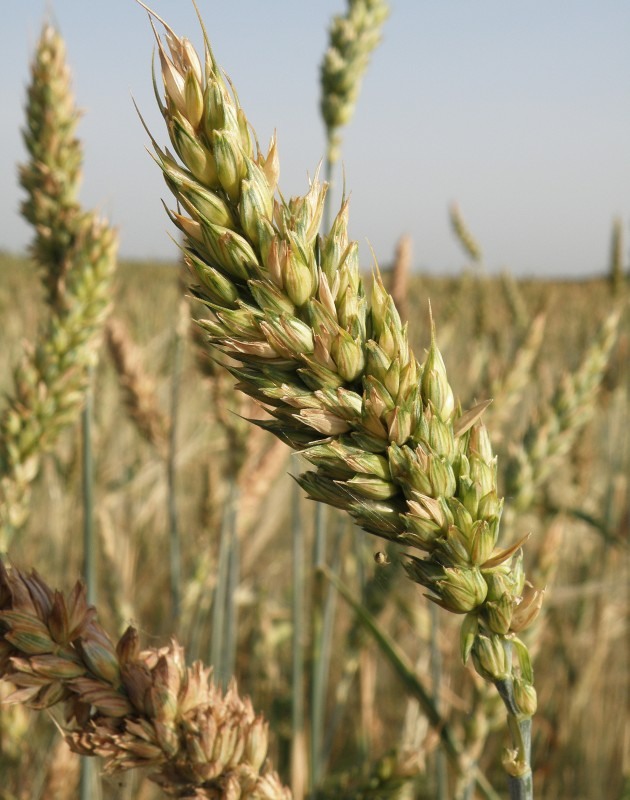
137	386
464	235
76	253
134	708
352	40
507	392
52	176
550	437
387	439
616	271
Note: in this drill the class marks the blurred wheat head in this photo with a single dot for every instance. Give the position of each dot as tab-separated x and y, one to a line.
76	254
352	40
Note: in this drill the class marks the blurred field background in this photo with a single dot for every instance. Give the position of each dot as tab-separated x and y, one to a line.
235	502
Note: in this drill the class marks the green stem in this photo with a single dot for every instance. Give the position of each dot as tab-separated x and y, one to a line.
297	678
171	474
436	679
219	603
231	611
86	779
405	672
319	667
522	786
520	780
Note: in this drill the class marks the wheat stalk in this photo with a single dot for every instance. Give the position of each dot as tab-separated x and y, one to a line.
383	431
134	708
76	252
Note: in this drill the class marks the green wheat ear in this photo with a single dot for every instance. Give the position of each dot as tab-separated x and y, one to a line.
76	254
337	375
352	40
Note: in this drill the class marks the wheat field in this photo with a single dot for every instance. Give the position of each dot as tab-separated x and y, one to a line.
578	523
278	524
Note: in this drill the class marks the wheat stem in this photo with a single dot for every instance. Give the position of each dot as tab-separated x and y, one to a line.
86	779
171	473
298	719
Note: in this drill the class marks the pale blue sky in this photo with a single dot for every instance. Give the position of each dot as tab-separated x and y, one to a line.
519	111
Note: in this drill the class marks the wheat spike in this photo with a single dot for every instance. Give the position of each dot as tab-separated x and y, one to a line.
515	300
387	440
616	271
508	391
338	376
550	437
353	38
138	388
52	176
133	708
464	235
76	253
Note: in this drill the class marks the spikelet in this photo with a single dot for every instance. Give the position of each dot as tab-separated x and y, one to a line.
76	252
133	708
353	38
387	440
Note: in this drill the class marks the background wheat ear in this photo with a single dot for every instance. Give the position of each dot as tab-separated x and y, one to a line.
616	272
76	254
352	39
137	386
336	373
